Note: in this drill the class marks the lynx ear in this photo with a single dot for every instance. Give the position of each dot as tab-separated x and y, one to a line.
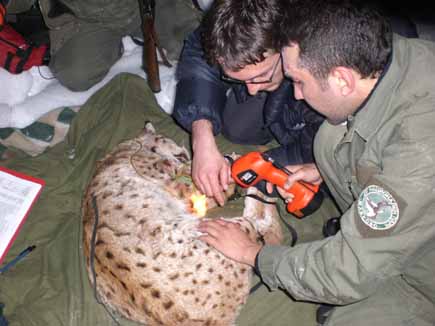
149	127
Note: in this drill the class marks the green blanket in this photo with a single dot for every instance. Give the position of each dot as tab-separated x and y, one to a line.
50	286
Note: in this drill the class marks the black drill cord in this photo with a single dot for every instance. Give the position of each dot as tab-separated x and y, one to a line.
290	228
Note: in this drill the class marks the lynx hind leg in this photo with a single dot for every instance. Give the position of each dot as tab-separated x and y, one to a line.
264	216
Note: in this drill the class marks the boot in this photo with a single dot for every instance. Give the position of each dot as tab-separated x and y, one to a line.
323	313
331	227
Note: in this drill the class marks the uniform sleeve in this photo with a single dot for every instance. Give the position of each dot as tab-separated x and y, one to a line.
371	246
200	94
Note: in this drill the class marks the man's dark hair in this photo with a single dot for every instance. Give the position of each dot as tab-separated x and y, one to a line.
332	33
237	33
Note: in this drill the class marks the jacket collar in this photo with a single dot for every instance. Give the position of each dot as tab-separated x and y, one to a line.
374	110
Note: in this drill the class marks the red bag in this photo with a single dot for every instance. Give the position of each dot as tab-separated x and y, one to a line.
2	15
17	54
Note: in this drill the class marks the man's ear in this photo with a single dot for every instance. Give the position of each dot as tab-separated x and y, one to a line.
343	80
220	61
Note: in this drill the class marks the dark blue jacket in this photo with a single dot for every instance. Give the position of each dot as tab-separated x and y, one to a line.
201	94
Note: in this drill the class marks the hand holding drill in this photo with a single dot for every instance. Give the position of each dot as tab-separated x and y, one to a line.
253	167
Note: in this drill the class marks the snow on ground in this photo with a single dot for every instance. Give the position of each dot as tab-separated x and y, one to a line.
27	96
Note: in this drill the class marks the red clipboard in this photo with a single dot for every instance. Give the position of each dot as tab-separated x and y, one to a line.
13	185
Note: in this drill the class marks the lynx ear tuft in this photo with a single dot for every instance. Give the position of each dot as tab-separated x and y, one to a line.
149	127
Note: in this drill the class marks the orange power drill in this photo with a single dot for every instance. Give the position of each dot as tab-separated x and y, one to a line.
253	167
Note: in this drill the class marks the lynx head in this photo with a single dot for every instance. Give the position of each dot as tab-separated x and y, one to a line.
162	146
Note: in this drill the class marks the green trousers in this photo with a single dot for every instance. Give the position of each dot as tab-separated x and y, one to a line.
19	6
82	52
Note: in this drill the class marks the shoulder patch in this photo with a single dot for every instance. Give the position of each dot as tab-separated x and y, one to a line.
377	208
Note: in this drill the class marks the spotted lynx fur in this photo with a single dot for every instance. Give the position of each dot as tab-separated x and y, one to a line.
149	265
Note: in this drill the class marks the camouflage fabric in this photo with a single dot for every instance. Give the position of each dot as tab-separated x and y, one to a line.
48	131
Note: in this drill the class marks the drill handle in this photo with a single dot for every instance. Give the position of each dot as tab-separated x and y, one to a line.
306	198
279	178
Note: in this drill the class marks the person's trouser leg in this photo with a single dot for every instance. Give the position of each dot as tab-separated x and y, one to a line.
174	19
86	57
19	6
394	304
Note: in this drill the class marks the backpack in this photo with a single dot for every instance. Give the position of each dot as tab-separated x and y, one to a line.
17	54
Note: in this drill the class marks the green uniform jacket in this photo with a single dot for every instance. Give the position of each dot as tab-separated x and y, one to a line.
380	168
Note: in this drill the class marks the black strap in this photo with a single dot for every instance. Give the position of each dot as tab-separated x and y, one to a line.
290	228
9	57
137	41
91	258
20	53
255	287
260	199
10	44
24	58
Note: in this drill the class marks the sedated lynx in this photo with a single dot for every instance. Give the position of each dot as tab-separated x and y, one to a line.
140	239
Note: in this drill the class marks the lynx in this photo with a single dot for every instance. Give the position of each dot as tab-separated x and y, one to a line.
141	241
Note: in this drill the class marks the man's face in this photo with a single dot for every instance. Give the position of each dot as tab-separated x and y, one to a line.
264	76
322	96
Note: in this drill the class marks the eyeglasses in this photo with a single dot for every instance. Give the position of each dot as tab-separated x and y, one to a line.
238	81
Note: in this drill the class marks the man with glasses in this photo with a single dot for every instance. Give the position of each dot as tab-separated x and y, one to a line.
244	99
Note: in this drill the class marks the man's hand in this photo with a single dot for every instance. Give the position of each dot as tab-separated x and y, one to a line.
210	171
228	238
301	172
